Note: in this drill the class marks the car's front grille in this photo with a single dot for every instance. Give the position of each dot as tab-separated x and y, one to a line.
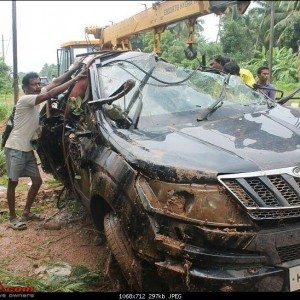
288	253
272	194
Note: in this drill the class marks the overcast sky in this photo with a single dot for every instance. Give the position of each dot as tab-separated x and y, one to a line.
42	26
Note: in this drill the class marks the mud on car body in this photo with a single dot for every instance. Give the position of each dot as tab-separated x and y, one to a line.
192	176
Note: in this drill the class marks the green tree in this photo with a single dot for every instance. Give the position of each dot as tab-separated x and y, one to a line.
20	76
238	33
286	23
284	63
5	78
48	71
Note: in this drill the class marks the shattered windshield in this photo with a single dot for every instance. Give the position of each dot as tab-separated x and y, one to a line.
169	90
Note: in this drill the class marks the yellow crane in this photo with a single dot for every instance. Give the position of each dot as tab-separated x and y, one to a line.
157	18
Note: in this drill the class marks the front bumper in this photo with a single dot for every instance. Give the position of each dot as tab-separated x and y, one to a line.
262	264
183	277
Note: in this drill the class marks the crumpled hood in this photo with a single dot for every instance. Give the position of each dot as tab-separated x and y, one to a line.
252	142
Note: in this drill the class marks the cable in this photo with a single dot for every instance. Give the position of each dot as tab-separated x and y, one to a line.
155	78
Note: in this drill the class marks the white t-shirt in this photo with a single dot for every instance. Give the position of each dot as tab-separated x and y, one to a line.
26	123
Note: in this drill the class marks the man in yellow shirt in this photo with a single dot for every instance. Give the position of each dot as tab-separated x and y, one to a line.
233	68
247	76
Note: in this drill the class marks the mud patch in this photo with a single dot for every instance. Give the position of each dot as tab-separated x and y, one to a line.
75	243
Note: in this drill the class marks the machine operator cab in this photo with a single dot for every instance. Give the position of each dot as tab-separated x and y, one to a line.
69	50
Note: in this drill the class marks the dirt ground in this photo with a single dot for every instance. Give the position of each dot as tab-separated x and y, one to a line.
70	238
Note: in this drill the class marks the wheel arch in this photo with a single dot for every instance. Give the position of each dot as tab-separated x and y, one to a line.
99	207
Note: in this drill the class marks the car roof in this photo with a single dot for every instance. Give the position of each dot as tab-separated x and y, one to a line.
115	54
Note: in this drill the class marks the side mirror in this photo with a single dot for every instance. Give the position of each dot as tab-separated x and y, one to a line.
290	96
120	92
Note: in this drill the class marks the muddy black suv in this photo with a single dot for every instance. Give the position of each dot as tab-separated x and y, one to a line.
193	177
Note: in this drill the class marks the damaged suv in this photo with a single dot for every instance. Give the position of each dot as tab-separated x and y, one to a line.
193	177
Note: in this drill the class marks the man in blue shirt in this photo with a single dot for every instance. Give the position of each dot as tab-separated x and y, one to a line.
263	83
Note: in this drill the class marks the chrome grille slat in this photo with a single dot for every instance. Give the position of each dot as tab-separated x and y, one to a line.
287	186
266	195
272	194
271	186
294	184
250	191
237	190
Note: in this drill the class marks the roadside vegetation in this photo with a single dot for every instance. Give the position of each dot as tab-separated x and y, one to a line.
81	279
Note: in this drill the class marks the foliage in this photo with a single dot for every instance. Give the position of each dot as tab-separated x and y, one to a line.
75	105
20	77
80	279
52	183
2	163
237	35
243	38
5	111
49	70
286	22
287	88
284	63
209	49
5	79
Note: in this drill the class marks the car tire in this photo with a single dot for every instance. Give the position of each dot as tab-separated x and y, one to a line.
122	251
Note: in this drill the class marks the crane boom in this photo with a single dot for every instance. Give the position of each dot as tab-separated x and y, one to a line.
156	18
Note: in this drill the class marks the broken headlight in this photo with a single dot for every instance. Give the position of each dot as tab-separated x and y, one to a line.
205	203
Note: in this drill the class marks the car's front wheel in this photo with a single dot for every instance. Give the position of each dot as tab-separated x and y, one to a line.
122	251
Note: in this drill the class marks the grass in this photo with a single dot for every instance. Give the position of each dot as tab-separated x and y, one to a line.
52	183
4	215
3	180
2	163
287	88
81	279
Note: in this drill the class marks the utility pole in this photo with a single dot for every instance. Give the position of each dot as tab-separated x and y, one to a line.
3	48
15	56
271	38
298	59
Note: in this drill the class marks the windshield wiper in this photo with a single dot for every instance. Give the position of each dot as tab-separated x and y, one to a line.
135	97
207	111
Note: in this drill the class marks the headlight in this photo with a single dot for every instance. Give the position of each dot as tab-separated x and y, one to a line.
205	204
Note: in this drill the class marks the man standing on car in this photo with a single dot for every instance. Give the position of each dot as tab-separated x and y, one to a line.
263	83
20	158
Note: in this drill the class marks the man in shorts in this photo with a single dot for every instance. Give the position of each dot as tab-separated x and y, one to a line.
20	158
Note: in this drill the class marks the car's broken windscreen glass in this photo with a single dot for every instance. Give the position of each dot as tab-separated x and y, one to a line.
170	90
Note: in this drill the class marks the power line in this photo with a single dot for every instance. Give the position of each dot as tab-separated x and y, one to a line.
7	45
